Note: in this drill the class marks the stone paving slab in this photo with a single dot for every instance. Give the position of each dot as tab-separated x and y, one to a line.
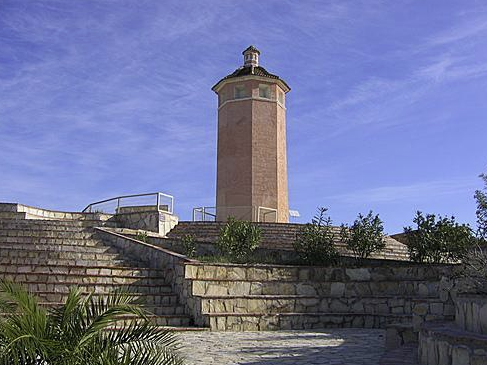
311	347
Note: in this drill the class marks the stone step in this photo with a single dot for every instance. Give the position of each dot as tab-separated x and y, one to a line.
39	260
297	321
96	287
445	343
334	289
56	248
13	216
164	299
175	320
59	279
158	310
22	227
86	242
46	234
86	222
310	304
73	269
54	253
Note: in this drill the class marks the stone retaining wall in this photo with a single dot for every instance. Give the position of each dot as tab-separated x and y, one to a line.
153	220
237	297
471	313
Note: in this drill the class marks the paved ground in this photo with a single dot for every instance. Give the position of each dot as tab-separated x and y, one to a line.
330	347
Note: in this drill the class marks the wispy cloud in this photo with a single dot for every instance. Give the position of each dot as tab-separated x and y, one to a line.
407	193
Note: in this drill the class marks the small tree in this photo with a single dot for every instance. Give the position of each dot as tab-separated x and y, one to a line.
189	245
238	239
365	236
315	242
475	270
481	198
442	240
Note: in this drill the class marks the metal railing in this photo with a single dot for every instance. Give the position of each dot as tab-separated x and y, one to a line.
133	203
249	213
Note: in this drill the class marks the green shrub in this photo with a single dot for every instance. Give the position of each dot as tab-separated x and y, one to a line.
315	242
481	198
442	240
238	239
365	236
189	245
142	236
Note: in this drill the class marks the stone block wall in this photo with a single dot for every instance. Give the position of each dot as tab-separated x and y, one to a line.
463	342
266	297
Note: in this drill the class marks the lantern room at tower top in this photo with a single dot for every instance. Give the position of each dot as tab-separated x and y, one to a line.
251	154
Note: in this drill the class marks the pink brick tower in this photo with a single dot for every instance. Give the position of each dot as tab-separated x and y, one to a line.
251	162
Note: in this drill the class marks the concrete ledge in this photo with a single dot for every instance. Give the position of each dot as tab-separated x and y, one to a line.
443	343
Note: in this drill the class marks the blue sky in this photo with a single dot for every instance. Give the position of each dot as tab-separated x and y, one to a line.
388	107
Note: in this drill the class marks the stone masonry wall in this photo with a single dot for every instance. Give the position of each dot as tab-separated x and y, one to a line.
155	220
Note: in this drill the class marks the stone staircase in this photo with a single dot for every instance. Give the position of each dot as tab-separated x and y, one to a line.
239	298
276	236
49	256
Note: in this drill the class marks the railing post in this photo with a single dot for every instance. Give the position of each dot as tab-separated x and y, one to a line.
118	206
157	201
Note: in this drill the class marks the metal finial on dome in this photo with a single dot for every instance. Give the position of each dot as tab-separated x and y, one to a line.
251	56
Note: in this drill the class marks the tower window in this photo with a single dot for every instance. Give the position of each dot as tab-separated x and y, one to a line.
264	91
240	92
281	97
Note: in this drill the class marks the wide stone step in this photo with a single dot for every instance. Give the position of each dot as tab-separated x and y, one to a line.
39	260
56	248
310	304
74	269
159	310
23	276
333	289
54	222
164	299
39	228
13	216
175	320
44	234
50	241
54	253
296	321
96	287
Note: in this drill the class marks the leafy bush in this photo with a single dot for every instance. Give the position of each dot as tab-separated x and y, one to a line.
189	245
77	333
481	198
238	239
442	240
365	236
142	236
475	270
315	243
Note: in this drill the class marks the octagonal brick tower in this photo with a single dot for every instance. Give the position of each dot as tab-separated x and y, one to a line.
251	159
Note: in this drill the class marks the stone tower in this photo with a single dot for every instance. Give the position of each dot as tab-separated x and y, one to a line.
251	160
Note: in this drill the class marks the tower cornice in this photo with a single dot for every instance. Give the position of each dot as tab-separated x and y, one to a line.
225	81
